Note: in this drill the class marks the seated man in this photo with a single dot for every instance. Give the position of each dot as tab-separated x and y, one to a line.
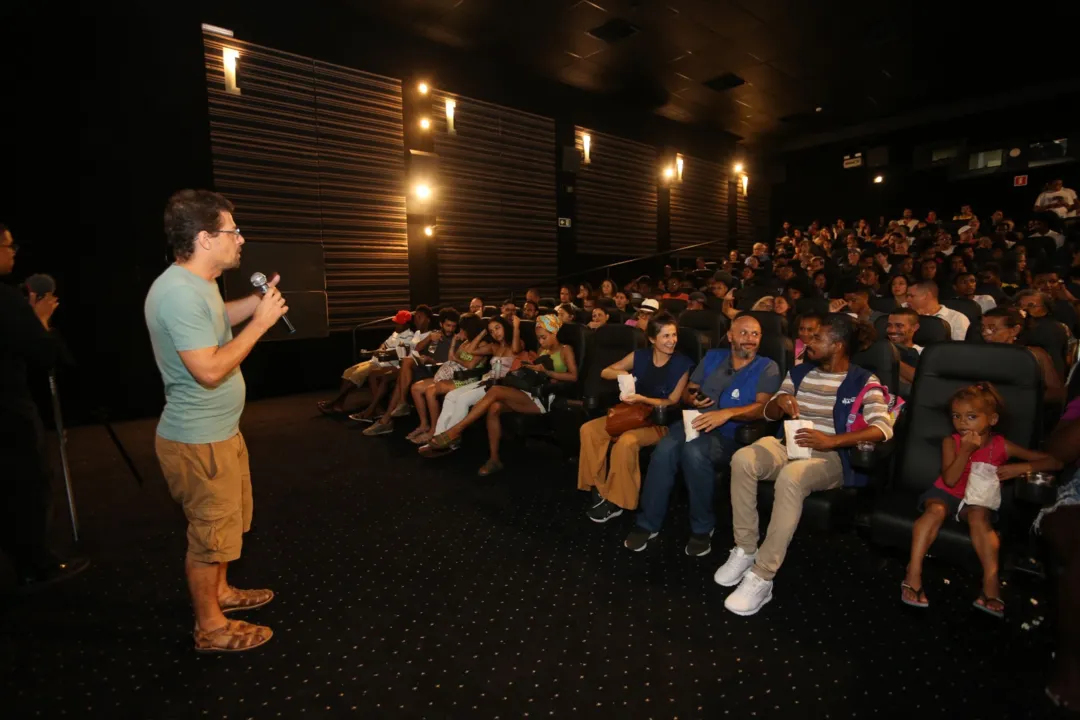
530	310
429	351
730	386
357	375
822	391
901	328
509	309
923	299
674	291
697	301
964	285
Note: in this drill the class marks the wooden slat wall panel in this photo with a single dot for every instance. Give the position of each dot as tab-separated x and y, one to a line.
311	152
616	197
759	204
362	180
497	220
746	235
699	208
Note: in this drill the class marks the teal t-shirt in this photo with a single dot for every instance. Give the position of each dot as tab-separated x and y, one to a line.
186	312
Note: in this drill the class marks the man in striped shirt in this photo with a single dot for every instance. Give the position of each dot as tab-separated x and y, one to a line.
824	391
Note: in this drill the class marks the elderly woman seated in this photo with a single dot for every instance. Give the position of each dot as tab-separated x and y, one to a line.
504	398
660	375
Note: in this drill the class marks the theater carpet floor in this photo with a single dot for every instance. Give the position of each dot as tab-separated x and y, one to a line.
410	588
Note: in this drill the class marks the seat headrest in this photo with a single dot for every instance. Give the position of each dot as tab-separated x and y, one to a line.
1000	364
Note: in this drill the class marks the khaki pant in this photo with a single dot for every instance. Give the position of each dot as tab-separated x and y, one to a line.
213	483
621	483
767	460
358	374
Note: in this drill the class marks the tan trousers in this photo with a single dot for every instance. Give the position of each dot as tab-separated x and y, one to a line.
621	483
767	460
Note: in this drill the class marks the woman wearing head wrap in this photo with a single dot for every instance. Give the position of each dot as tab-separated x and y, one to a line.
503	398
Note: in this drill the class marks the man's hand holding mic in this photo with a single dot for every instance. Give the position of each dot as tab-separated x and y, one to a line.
44	306
270	308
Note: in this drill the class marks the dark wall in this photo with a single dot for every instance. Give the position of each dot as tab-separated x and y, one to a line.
103	141
816	185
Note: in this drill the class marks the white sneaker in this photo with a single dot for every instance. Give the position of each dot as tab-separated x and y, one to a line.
738	564
753	592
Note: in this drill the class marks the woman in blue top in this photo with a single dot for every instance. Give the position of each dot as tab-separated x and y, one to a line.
660	376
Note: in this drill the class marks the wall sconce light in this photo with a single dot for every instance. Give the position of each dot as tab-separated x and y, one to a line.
878	179
429	230
745	179
422	191
669	172
738	168
425	123
422	88
229	57
451	105
586	146
678	167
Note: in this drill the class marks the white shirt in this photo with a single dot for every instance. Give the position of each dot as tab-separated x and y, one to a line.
986	302
1054	235
958	322
1066	194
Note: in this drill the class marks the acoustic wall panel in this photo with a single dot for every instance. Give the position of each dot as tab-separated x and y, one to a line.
314	153
699	208
616	197
753	216
497	223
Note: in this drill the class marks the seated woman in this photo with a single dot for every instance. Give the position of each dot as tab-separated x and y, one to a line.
504	342
660	376
426	393
599	317
1005	325
501	398
565	313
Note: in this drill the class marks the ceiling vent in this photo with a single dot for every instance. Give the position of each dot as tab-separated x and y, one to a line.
727	81
614	30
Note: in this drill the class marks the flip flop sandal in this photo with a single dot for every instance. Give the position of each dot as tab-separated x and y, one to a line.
421	439
919	593
429	451
490	468
246	600
986	608
233	636
402	410
441	441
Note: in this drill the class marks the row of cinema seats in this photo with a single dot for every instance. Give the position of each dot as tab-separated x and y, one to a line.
900	469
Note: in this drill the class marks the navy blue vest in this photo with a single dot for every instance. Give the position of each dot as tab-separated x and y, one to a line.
655	382
741	391
845	397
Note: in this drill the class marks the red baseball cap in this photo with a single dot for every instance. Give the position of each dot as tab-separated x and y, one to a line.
403	317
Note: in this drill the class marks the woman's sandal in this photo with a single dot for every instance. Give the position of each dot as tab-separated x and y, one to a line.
422	439
921	601
983	603
245	599
489	468
442	441
327	408
233	636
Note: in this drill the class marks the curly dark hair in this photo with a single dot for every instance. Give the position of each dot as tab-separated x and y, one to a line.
190	212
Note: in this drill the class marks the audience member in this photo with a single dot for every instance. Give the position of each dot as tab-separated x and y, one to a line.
923	299
565	313
902	325
822	391
425	392
1006	325
1057	199
530	310
972	459
599	317
660	376
729	386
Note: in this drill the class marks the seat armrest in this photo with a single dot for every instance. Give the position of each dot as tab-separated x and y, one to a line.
562	388
868	461
751	432
666	414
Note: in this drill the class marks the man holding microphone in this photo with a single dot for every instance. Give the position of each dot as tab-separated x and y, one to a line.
199	445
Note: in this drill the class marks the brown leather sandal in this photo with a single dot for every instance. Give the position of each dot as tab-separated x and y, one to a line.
233	636
245	599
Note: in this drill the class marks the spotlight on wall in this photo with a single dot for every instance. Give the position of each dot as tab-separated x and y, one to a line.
422	191
586	146
451	105
669	172
425	123
878	179
738	167
678	167
422	88
745	184
229	57
429	231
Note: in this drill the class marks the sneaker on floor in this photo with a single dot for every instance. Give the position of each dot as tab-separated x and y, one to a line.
380	429
604	511
738	564
638	538
699	544
402	410
361	418
753	592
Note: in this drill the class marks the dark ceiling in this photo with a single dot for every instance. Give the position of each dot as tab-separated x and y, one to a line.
807	66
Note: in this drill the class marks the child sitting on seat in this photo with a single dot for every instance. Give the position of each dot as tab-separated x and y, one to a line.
970	456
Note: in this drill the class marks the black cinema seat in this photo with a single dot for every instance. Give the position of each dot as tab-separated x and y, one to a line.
609	344
943	369
712	326
690	344
673	306
968	308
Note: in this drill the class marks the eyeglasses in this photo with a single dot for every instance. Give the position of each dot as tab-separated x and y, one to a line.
13	247
234	231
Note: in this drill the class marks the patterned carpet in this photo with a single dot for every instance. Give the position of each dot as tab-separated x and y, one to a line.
410	588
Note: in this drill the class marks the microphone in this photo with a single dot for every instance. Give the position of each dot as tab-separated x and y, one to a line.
40	284
259	281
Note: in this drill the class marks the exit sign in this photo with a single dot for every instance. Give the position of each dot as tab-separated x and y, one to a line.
1019	180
